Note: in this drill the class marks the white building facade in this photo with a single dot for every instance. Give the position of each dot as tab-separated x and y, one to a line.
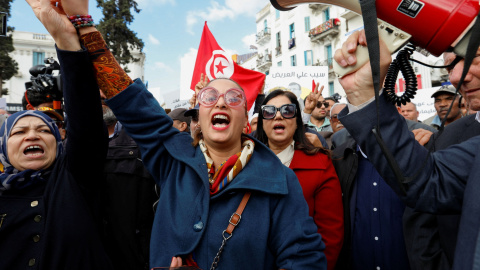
31	49
309	35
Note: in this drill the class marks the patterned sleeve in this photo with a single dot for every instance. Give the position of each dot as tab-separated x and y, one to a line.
111	78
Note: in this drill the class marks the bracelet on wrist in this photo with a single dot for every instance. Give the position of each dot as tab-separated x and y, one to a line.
81	21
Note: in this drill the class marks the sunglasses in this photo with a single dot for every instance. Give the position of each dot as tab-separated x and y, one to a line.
287	111
334	117
233	97
326	104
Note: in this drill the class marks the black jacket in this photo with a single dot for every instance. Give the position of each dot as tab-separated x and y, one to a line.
52	225
433	238
128	205
345	161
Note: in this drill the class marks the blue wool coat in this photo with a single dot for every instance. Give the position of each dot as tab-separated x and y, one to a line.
449	183
275	230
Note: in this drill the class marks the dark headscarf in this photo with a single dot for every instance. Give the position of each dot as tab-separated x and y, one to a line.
12	178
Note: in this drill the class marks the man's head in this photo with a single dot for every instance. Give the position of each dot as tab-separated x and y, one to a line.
35	99
334	111
443	97
108	117
180	121
320	111
193	114
470	88
330	101
253	122
409	111
295	88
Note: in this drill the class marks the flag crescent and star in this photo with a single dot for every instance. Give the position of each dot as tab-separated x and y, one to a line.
219	66
214	62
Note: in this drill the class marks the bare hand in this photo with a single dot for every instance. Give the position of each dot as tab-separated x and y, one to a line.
176	262
359	85
202	83
313	138
199	86
193	101
422	136
51	13
312	98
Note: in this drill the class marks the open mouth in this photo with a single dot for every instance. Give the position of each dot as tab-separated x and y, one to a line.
33	150
220	120
279	127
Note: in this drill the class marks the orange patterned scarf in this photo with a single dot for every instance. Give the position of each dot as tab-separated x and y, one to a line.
230	168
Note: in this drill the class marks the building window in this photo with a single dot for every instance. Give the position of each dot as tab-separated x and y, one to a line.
330	89
277	14
278	40
293	59
265	26
292	30
38	58
326	14
328	52
307	24
279	63
308	57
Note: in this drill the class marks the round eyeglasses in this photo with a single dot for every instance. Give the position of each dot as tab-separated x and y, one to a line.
287	111
233	97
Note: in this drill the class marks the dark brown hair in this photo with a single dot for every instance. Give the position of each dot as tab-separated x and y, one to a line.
301	141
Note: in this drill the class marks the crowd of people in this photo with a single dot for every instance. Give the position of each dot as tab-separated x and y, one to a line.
118	183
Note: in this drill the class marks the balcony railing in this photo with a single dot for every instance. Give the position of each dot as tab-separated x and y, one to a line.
291	43
318	7
328	28
263	36
278	51
327	62
264	62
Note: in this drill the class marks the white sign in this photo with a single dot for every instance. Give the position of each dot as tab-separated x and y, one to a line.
292	77
173	101
3	103
424	101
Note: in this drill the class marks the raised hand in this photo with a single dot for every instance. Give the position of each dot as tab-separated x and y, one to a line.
312	98
202	83
358	85
314	139
199	86
51	14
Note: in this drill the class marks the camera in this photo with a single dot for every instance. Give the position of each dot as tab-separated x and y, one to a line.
43	80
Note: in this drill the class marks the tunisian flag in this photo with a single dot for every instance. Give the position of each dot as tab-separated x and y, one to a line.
215	63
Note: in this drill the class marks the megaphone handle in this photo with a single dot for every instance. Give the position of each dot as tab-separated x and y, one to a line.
362	58
393	37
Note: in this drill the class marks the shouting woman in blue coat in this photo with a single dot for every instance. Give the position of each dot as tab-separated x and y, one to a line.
202	182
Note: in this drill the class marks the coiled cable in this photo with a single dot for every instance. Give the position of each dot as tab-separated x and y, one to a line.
401	63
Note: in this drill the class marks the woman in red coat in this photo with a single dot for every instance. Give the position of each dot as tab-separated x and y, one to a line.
280	127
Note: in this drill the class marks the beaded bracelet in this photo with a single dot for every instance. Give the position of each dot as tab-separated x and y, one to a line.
81	20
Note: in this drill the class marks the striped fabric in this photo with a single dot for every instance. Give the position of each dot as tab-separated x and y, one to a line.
230	168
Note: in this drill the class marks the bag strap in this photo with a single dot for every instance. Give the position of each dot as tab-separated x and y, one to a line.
237	215
232	224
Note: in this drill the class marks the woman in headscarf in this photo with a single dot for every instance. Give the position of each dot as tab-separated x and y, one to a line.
48	193
202	185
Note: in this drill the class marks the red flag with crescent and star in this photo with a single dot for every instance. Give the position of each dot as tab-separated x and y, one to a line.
215	63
